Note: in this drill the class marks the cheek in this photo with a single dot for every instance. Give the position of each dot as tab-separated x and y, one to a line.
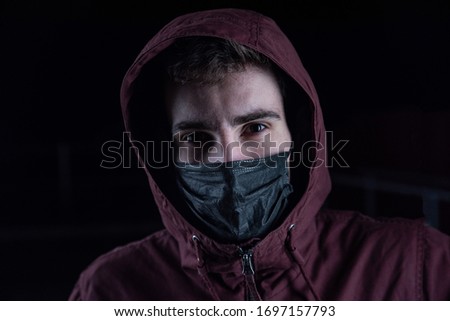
182	154
277	141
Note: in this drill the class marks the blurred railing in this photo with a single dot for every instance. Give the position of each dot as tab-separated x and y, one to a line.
431	194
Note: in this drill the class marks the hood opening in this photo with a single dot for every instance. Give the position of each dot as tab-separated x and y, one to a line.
149	127
150	132
299	115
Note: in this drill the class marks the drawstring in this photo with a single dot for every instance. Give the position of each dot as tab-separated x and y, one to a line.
201	268
297	259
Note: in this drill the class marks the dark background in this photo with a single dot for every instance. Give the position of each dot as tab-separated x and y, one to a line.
381	68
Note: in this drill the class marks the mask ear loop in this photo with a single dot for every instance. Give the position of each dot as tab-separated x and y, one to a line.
292	250
201	268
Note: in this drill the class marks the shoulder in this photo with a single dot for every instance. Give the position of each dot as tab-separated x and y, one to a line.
135	251
111	275
350	221
436	264
366	258
355	222
398	240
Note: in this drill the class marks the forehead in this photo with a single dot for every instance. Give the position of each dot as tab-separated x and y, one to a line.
238	93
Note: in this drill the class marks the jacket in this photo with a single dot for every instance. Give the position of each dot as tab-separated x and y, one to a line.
314	254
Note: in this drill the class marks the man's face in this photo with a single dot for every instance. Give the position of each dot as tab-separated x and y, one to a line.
241	117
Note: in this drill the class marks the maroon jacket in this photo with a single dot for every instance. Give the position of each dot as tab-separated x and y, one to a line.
314	254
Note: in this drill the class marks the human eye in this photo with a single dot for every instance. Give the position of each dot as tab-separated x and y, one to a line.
255	128
195	137
187	138
193	146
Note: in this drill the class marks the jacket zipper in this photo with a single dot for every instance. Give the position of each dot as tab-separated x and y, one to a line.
247	264
248	270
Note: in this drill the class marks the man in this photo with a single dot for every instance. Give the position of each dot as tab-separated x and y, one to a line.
241	198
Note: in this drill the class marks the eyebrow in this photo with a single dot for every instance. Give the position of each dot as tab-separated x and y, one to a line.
238	120
258	114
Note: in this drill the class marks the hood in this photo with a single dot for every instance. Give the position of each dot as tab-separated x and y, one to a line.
148	129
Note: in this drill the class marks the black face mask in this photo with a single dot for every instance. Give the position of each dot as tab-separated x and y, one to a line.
236	201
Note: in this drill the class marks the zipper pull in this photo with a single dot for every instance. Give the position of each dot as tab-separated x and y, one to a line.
247	262
251	292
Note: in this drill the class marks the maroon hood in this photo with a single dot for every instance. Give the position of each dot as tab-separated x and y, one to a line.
313	254
263	35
